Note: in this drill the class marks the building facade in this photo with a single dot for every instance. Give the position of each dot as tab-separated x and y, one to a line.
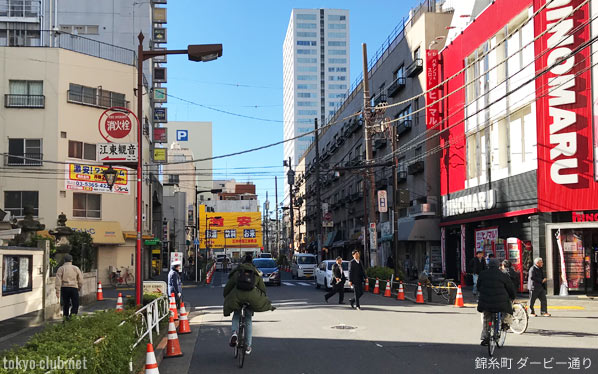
49	139
517	171
408	230
315	72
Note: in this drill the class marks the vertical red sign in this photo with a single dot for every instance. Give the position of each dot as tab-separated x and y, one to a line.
564	109
432	92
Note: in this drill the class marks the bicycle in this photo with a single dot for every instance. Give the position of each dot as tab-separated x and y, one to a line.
241	346
495	333
441	286
520	318
116	279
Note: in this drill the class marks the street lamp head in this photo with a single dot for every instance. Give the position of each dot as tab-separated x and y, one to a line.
204	52
110	176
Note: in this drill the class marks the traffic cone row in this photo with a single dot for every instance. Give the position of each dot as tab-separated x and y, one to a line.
173	309
99	294
459	298
173	348
184	327
401	294
419	298
387	289
377	287
367	285
119	303
210	274
151	365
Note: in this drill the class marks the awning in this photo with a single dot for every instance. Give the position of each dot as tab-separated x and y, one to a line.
330	239
421	229
133	235
102	232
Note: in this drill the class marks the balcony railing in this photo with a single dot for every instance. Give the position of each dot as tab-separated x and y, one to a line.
380	143
380	98
24	101
395	87
404	126
27	159
419	210
95	100
415	68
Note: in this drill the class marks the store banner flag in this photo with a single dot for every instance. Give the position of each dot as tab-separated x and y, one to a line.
432	91
564	284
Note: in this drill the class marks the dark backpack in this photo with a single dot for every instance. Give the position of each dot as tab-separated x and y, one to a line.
246	280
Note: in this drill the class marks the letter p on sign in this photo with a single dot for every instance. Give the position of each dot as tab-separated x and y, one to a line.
182	135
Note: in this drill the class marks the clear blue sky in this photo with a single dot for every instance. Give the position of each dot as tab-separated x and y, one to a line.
252	34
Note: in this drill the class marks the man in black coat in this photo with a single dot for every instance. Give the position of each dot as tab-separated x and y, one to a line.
357	276
535	285
338	281
496	295
477	265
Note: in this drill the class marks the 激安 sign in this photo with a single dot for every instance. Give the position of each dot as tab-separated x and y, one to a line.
117	152
90	178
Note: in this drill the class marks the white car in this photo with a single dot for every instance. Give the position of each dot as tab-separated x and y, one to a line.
324	274
303	265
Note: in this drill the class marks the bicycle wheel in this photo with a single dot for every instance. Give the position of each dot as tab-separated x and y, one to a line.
241	341
446	292
502	336
114	280
129	279
520	319
492	338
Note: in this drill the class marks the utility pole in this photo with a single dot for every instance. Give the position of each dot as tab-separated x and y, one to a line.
395	192
318	193
369	155
277	245
291	182
266	207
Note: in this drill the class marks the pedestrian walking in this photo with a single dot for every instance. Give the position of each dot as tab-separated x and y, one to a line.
69	281
513	275
357	276
535	284
174	282
390	262
338	281
477	265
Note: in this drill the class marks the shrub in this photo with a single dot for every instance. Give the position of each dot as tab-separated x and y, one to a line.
147	298
383	274
75	340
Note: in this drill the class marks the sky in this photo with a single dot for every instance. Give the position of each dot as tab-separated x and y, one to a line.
247	79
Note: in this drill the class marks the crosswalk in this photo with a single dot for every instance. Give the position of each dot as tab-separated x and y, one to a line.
291	284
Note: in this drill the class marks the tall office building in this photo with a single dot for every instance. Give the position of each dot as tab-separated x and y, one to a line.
315	72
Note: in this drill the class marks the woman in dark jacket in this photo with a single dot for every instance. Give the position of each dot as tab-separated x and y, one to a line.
496	295
234	298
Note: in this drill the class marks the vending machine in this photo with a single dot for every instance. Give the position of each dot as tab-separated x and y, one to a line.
520	255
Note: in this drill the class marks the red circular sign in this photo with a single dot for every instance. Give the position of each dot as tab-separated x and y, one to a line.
328	216
118	125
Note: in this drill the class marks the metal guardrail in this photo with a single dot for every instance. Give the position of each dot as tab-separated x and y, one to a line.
150	317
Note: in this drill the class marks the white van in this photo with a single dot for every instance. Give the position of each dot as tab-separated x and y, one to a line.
303	265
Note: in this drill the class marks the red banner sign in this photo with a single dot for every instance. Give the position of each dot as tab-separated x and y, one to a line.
564	110
432	94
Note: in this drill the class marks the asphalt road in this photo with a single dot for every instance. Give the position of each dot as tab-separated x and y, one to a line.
386	336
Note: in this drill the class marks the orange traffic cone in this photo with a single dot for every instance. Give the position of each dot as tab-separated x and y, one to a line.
209	277
420	295
401	294
367	285
387	289
99	294
175	315
184	327
459	299
173	348
377	287
119	302
151	366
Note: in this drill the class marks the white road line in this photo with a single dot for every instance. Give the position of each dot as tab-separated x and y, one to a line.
224	285
305	284
288	284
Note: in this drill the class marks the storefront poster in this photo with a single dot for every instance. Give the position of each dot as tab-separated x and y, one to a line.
486	239
90	178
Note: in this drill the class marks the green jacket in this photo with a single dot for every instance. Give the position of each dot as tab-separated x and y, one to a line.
256	298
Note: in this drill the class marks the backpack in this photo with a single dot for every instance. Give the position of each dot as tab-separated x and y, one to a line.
246	280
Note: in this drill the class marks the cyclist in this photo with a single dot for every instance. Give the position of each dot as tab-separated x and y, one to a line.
496	295
245	286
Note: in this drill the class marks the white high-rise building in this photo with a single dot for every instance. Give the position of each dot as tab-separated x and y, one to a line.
315	72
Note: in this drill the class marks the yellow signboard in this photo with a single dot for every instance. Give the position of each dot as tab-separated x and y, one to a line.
230	230
91	178
160	155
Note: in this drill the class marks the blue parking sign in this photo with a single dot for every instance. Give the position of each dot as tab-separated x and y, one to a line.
182	135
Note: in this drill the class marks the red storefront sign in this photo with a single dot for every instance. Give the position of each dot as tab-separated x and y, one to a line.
432	94
564	109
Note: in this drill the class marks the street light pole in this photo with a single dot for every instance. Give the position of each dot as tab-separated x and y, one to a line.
204	52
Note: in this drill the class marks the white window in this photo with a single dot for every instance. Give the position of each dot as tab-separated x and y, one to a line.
87	205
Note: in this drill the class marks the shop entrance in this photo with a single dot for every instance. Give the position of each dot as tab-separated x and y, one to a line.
578	247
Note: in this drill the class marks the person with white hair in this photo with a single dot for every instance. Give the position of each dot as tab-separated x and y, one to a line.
535	285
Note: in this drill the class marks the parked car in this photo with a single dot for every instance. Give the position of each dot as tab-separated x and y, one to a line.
269	269
303	265
324	274
265	255
220	262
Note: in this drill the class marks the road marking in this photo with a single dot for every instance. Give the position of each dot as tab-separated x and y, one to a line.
556	307
288	284
223	285
305	284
